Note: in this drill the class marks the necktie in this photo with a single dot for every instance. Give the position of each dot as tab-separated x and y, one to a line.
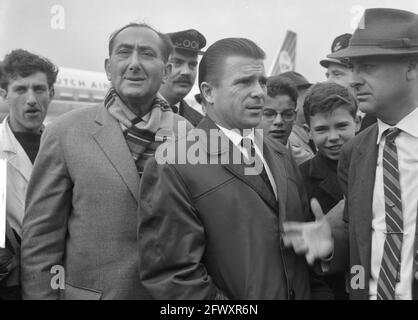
248	144
391	263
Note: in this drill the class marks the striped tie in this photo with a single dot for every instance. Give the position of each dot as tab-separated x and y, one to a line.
391	263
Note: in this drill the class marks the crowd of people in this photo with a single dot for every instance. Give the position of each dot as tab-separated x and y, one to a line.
282	189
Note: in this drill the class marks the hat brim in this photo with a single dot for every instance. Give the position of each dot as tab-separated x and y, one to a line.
304	86
326	62
190	50
364	51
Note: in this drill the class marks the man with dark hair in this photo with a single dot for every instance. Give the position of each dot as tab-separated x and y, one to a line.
183	63
82	198
211	229
279	113
378	169
302	146
27	85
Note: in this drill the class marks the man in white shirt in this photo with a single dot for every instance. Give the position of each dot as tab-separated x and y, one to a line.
379	168
27	86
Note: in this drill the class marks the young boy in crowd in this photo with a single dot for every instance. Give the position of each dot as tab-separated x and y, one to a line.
331	115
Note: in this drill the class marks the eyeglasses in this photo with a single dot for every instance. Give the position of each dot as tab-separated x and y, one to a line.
287	115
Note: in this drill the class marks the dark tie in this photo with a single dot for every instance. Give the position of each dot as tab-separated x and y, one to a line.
391	263
248	145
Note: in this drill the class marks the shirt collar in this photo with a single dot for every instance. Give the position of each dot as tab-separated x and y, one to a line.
234	136
406	125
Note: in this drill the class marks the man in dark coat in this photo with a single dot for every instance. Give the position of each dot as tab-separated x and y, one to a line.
211	228
378	169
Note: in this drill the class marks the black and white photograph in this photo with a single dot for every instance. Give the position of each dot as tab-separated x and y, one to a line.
208	155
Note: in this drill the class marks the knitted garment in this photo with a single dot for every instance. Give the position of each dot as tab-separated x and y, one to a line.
143	134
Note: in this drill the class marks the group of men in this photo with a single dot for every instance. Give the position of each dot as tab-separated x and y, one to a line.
143	197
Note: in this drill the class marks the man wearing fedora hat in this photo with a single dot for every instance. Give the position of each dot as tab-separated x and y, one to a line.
183	62
379	168
339	71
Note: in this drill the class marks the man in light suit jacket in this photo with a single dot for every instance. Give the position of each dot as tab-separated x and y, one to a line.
79	233
27	84
211	228
379	168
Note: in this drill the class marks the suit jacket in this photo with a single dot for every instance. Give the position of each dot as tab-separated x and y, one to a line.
81	210
19	169
321	182
357	171
190	114
208	231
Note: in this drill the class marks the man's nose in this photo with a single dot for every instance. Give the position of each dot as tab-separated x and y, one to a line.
31	98
356	80
134	63
278	120
259	91
185	69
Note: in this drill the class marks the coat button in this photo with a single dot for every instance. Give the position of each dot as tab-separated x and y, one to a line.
416	275
292	295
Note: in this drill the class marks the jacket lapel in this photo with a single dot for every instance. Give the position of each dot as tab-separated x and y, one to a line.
111	141
193	116
364	162
275	161
14	152
329	183
227	151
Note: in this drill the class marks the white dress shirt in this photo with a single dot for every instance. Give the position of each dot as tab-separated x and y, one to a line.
407	149
236	139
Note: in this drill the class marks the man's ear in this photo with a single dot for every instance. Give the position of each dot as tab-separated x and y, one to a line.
167	71
3	93
307	129
207	92
51	93
412	72
107	69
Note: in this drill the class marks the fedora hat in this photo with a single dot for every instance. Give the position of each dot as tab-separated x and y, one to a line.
383	32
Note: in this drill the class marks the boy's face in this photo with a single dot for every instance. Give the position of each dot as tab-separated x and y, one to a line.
278	117
331	131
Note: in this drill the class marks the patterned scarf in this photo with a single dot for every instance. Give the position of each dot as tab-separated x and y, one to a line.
143	134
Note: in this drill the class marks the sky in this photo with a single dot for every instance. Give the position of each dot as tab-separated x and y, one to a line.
74	33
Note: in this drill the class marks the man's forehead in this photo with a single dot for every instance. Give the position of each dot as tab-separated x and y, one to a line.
246	65
181	54
34	78
280	101
137	36
336	66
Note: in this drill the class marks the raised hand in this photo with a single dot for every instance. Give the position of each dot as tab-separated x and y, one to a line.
314	239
